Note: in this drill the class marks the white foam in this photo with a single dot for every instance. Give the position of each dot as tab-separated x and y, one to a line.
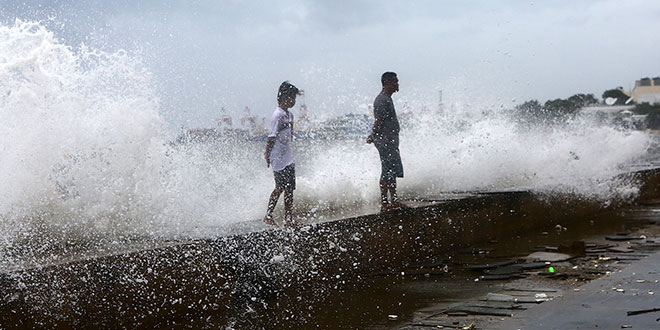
84	152
491	153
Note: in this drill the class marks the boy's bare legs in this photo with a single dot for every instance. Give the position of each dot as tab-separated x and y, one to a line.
288	209
274	196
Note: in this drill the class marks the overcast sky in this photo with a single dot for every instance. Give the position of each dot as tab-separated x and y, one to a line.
207	54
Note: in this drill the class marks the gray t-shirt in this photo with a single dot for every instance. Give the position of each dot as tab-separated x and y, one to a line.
389	123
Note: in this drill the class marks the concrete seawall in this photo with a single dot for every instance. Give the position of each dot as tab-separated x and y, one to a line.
201	283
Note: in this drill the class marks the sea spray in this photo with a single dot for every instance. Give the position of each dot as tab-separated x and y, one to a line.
492	153
81	139
85	156
84	150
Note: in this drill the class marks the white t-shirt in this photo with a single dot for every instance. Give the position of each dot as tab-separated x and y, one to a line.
280	128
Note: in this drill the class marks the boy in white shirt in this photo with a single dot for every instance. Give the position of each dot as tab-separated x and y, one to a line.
279	154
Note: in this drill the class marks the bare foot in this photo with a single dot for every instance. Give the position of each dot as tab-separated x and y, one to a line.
398	206
290	223
269	221
385	207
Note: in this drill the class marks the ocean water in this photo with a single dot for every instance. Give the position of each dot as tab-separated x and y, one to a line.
87	160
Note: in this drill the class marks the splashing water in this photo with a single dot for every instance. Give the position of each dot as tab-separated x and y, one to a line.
85	155
494	154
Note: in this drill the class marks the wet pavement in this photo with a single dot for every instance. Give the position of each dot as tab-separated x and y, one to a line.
628	298
472	261
605	281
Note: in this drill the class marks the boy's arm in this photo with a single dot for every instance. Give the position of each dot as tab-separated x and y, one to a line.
272	134
269	147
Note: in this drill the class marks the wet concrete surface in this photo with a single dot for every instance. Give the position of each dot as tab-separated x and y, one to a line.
400	297
623	299
617	274
368	272
389	298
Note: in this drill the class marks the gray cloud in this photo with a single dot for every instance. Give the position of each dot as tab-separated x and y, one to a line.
206	54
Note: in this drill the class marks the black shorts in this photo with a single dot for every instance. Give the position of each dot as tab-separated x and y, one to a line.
390	159
286	178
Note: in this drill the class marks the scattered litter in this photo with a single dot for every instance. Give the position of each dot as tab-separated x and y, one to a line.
393	317
621	238
497	305
490	266
531	289
621	249
500	277
506	270
619	258
479	311
436	324
533	265
548	256
500	297
556	275
457	313
643	311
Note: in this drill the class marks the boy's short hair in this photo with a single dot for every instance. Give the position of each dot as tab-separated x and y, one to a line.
286	90
387	77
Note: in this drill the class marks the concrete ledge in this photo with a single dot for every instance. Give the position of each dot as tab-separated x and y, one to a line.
192	280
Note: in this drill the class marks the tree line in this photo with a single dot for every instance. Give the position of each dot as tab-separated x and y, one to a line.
561	110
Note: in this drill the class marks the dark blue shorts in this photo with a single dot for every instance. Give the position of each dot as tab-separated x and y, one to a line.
390	159
286	178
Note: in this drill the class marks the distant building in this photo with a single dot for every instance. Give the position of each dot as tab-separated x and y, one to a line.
248	121
303	122
646	90
346	126
224	121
